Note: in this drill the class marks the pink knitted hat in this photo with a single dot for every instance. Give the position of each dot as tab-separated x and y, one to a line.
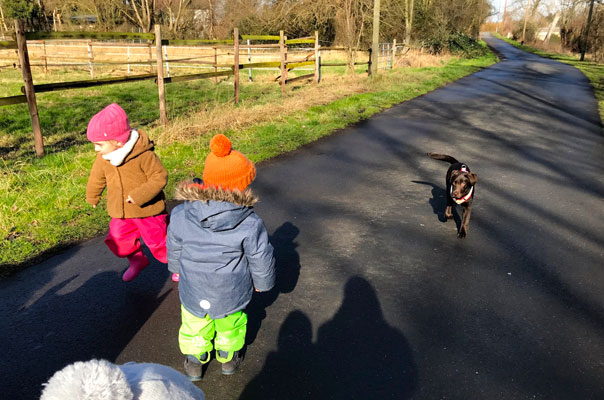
111	123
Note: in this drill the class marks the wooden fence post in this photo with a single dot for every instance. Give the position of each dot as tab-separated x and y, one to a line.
128	54
393	54
160	76
28	84
215	63
150	59
45	57
236	63
90	59
320	75
317	58
283	60
249	60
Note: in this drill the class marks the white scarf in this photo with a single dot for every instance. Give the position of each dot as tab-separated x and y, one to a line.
117	157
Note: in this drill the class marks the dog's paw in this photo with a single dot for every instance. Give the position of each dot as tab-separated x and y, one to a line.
461	234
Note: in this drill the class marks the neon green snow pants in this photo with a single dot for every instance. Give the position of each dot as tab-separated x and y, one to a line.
196	334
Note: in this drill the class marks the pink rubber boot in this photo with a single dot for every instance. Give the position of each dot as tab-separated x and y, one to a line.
138	262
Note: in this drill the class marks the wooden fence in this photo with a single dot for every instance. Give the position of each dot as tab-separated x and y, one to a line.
140	55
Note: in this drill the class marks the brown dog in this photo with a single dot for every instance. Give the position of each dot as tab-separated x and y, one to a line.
460	189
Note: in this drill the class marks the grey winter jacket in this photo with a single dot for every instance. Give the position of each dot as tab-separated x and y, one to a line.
220	248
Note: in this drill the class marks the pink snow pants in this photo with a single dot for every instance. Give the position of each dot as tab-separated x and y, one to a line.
125	233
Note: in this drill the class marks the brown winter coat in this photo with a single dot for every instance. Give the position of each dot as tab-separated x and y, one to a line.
141	175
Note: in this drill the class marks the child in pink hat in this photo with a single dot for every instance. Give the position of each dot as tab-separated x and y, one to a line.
135	178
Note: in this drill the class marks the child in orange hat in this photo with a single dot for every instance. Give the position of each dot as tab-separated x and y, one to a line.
220	248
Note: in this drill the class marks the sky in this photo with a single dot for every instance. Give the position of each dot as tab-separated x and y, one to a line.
498	5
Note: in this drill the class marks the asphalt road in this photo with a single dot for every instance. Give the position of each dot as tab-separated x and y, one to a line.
376	298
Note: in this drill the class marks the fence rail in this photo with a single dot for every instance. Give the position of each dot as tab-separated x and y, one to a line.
5	101
8	44
221	48
89	35
51	87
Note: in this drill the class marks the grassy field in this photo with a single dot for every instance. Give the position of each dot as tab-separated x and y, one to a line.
42	207
594	72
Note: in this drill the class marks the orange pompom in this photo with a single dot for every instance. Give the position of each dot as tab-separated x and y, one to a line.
220	145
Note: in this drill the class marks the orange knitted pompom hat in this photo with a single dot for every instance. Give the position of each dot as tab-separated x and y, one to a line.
227	168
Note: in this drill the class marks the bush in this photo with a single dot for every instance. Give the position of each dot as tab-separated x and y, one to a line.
529	35
455	43
466	46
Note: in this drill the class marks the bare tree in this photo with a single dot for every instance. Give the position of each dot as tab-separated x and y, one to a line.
596	35
107	12
212	17
2	20
250	16
352	15
176	11
57	7
350	19
140	13
408	20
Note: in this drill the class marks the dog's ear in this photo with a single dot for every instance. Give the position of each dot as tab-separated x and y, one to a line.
473	178
454	174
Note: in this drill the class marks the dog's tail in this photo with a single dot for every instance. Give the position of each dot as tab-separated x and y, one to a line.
443	157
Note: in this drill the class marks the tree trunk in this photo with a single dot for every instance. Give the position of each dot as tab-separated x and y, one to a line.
212	32
526	14
375	38
54	19
586	32
181	5
144	15
551	27
4	27
408	21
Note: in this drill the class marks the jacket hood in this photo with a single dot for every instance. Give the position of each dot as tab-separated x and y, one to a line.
142	144
103	380
90	380
214	208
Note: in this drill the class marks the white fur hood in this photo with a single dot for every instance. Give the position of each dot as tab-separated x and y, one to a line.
102	380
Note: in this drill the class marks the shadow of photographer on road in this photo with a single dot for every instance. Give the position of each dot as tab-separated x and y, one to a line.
356	355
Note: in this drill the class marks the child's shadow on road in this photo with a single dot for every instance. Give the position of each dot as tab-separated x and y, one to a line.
287	270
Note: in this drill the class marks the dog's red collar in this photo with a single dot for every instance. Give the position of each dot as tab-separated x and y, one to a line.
463	199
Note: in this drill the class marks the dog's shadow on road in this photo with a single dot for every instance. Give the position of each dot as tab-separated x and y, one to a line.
439	203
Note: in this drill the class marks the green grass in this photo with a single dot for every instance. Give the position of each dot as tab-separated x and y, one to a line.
594	72
42	205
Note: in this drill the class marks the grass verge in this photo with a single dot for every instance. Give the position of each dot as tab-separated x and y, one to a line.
594	72
42	205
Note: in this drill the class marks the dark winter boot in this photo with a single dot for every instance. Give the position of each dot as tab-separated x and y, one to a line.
230	367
